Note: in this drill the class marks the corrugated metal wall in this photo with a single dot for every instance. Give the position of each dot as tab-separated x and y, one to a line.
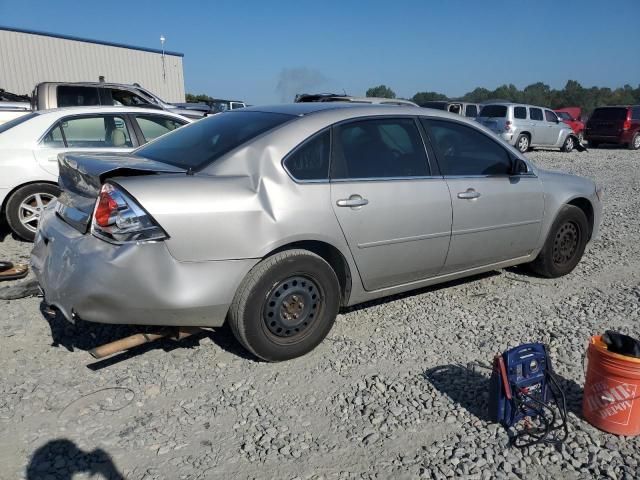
27	59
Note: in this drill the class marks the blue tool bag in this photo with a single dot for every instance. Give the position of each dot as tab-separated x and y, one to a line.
524	394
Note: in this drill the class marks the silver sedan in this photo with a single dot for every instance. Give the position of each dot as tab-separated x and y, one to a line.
273	218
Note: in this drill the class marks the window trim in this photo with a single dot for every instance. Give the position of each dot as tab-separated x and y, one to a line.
124	116
529	174
295	149
385	179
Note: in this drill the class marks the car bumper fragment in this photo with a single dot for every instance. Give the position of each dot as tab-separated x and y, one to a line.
138	283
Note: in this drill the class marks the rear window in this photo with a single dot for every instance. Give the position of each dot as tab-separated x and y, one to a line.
74	96
520	112
494	111
609	114
17	121
203	142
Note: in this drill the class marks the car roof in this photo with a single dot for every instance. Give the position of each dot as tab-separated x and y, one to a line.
507	104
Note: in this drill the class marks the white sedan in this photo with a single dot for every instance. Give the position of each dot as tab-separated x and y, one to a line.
30	144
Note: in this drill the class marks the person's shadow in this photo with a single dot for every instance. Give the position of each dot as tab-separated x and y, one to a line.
62	459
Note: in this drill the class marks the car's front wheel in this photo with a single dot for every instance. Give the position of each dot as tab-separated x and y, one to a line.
568	144
25	205
523	143
564	245
286	305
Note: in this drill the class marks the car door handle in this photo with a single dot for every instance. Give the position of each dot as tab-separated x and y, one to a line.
470	194
352	201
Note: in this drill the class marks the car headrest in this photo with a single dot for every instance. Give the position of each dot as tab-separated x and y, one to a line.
118	138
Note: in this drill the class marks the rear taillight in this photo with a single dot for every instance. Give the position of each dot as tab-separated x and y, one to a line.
627	123
118	218
507	126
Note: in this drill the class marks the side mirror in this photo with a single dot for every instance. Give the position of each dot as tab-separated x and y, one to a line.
519	167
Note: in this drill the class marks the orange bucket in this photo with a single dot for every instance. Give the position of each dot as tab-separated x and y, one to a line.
611	400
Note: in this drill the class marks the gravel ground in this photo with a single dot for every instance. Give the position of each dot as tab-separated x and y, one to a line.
387	395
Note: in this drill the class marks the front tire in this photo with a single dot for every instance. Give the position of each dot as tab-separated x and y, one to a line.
568	144
564	245
25	206
523	143
286	305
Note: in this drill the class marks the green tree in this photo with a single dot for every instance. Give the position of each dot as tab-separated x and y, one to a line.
381	91
191	98
423	97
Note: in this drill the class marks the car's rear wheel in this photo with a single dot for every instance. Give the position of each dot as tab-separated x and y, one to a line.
25	205
286	305
634	144
565	244
523	142
568	144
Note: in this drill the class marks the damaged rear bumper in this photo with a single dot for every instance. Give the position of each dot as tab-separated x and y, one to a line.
138	284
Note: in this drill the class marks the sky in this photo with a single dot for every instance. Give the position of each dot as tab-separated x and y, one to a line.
266	51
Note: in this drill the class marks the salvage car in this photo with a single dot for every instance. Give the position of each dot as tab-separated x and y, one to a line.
461	108
572	117
616	125
47	95
272	218
331	97
29	148
527	126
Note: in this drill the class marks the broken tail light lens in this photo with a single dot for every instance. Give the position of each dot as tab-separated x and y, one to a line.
118	218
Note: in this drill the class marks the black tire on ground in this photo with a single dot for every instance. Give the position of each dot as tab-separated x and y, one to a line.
593	144
28	202
564	245
286	305
568	144
523	143
634	144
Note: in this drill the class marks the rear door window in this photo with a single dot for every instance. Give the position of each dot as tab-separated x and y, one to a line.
465	151
385	148
310	161
152	126
494	111
536	114
104	131
520	113
127	98
75	96
471	111
54	138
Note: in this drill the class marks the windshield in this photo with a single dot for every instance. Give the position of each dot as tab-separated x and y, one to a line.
203	142
564	115
494	111
609	114
17	121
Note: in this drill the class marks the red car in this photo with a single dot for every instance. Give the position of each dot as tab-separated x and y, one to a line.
571	116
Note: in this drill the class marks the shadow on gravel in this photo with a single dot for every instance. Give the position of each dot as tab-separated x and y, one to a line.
85	336
420	291
573	394
464	386
62	459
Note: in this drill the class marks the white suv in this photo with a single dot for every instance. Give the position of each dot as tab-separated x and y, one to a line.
527	126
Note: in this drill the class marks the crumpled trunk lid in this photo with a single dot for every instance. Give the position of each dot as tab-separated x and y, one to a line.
81	178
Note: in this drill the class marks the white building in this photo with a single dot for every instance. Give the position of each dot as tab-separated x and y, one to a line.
28	57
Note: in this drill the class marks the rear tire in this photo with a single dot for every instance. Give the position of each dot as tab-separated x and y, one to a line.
564	245
523	143
25	206
286	305
634	144
568	144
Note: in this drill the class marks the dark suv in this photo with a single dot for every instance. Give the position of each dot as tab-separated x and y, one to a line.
619	125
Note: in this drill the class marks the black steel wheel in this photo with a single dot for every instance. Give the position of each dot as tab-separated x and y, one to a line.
565	243
292	307
286	305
